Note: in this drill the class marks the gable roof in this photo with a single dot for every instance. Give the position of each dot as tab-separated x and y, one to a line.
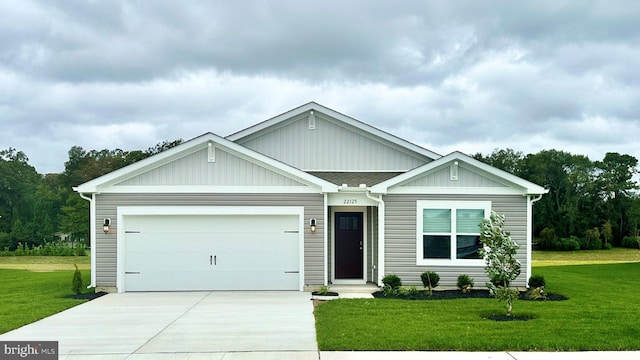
263	126
193	145
527	187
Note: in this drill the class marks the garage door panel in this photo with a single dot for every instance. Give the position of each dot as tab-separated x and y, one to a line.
212	252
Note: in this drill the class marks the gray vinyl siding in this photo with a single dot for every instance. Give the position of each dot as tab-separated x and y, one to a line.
106	207
442	178
331	146
226	170
400	237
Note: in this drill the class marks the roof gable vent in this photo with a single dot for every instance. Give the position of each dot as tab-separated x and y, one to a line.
312	120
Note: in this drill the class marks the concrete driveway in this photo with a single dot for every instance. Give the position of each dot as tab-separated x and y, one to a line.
172	325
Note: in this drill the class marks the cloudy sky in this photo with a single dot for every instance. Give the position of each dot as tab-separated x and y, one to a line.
467	75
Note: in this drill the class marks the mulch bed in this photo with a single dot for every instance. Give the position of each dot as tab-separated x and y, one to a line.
88	296
457	294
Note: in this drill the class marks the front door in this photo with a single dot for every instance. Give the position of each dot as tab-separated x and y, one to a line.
348	245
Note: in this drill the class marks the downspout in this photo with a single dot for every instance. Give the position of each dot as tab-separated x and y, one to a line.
380	233
92	234
530	202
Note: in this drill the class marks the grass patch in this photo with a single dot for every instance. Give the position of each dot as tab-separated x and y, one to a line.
584	257
45	263
27	296
601	314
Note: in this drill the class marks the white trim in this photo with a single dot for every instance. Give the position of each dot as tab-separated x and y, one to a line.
445	204
93	240
124	211
354	209
182	189
431	190
325	236
381	240
338	116
529	239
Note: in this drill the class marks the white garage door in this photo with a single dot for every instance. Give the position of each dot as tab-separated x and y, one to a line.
211	252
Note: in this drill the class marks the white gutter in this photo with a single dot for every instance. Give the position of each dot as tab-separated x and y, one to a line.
92	234
380	234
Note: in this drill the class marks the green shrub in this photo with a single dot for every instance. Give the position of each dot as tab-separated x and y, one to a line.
631	242
430	280
608	246
536	281
465	283
392	280
76	283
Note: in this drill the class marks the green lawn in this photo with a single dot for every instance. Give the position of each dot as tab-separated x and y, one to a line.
601	314
27	296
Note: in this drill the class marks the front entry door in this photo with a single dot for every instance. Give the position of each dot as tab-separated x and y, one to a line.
349	244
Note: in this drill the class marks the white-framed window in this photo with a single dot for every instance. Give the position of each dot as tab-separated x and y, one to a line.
448	232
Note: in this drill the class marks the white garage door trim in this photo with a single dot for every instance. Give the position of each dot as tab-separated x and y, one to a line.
124	211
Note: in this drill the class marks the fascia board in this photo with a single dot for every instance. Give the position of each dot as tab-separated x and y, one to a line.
339	116
528	188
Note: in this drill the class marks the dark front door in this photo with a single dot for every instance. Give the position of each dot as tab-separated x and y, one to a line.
349	245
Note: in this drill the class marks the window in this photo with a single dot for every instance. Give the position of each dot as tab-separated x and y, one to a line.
448	232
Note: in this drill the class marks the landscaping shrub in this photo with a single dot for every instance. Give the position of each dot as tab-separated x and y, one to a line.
430	279
592	238
393	281
631	242
608	246
536	281
465	283
76	283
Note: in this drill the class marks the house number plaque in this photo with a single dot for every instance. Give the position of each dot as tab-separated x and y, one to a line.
350	201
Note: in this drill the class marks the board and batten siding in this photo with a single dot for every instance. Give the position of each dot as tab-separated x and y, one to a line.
195	169
442	178
331	147
400	237
106	207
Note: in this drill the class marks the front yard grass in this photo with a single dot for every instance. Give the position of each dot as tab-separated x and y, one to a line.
601	314
27	296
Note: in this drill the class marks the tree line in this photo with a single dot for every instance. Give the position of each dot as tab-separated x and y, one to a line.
584	196
39	209
587	200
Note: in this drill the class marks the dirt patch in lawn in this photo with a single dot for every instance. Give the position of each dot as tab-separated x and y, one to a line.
44	267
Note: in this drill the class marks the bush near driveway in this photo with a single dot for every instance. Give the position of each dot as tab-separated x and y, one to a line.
601	314
27	296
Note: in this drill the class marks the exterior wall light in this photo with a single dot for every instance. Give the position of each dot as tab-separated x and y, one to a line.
312	225
105	225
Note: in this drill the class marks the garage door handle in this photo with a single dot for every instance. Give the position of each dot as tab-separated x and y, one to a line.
210	259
